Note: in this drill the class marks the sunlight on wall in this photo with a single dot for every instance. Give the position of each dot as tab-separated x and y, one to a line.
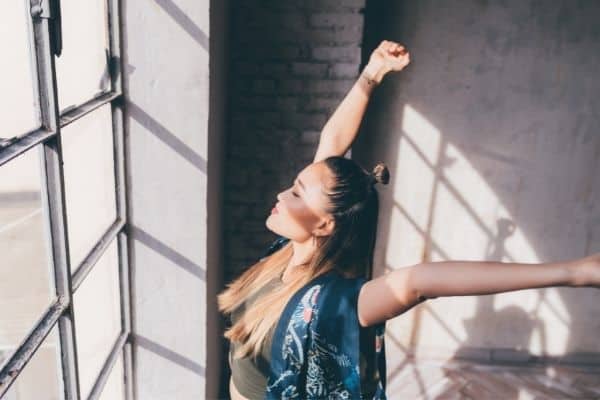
444	209
413	183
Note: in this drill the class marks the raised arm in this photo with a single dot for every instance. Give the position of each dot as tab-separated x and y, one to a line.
341	128
396	292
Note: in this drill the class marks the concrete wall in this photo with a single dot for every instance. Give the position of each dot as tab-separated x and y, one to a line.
173	174
492	139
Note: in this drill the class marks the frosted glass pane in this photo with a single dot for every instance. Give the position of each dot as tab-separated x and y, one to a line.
41	378
115	385
82	68
18	89
97	317
25	277
89	181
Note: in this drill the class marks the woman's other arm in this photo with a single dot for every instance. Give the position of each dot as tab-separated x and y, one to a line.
396	292
341	128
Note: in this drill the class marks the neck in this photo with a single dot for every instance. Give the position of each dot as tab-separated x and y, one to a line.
302	253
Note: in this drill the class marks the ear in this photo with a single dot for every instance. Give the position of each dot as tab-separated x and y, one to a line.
325	228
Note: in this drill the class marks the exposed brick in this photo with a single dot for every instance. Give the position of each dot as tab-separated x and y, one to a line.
252	226
343	70
304	120
291	64
270	52
268	103
239	211
247	68
332	19
326	105
320	36
347	34
329	86
274	69
263	211
319	5
291	86
270	19
263	86
309	69
310	136
337	53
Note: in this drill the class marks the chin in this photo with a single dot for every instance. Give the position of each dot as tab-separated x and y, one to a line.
269	225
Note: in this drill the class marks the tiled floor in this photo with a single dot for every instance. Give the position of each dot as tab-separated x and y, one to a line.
464	380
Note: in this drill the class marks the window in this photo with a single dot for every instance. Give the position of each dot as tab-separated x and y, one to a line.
64	277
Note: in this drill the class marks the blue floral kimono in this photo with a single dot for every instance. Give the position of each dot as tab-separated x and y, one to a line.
318	342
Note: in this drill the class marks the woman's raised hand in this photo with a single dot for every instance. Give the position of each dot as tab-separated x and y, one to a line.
388	56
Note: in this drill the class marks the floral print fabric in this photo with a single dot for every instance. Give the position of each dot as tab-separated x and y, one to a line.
316	346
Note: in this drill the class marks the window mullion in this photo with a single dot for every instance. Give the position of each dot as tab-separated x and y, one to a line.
114	40
54	198
116	73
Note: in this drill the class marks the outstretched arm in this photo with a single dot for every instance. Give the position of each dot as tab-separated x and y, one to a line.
396	292
341	128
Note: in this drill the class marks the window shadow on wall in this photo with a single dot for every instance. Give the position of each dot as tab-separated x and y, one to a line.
482	85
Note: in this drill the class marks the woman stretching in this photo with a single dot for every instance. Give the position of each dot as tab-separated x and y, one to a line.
307	322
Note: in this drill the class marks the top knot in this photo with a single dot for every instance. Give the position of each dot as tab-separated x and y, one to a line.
380	174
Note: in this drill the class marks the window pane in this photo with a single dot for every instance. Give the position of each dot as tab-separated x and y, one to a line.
18	88
82	68
97	317
41	378
115	385
26	283
89	181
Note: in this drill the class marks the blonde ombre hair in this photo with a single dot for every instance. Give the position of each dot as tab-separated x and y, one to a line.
354	205
258	318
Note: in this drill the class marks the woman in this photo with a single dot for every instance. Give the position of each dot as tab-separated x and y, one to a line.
306	321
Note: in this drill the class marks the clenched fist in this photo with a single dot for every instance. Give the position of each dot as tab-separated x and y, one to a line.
388	56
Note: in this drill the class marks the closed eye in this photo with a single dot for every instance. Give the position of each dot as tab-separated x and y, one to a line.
294	193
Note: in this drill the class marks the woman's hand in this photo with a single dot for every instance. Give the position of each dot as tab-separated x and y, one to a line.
388	56
586	271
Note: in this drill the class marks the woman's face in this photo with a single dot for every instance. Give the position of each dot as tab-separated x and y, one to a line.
300	210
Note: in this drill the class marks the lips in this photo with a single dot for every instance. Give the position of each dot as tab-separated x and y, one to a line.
274	210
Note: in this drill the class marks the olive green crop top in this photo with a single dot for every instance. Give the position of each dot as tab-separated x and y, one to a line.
249	376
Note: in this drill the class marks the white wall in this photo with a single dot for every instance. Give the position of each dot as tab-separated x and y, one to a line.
167	56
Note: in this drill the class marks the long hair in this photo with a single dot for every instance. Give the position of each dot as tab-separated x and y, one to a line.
354	205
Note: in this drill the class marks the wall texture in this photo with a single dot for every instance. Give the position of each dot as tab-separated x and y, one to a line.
166	66
219	47
492	139
290	65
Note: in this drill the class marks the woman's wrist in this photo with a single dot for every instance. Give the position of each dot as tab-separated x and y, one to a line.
585	271
369	79
374	72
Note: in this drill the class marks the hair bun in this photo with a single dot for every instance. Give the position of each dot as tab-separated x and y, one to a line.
380	173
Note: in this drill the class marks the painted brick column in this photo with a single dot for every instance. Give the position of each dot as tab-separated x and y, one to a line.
291	63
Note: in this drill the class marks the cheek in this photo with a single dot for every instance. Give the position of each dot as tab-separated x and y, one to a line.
295	221
301	214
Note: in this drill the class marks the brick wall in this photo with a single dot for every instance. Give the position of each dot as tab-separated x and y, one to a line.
291	62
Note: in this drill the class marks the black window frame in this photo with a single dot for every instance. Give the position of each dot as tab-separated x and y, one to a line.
46	23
